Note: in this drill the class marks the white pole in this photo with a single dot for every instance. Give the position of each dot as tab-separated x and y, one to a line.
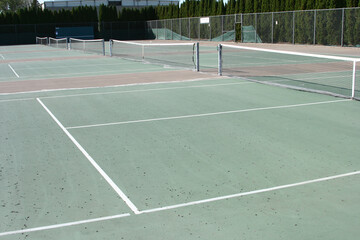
353	79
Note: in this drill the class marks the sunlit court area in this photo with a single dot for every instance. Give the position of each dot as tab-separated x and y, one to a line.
185	127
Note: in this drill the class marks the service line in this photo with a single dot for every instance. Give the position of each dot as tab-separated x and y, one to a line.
206	114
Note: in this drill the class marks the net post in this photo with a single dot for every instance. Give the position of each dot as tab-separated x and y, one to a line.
353	80
220	60
69	43
197	57
103	46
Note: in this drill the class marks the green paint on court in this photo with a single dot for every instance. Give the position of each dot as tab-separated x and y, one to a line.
175	143
74	68
305	212
174	161
44	179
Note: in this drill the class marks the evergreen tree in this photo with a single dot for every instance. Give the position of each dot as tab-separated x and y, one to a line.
249	6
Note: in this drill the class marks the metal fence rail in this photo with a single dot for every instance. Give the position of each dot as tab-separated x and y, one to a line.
325	27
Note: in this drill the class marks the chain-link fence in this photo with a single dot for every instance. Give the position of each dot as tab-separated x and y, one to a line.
326	27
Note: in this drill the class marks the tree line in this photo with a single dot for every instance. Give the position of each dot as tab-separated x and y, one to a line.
189	8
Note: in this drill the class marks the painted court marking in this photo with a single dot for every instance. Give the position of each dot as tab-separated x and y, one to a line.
251	192
180	205
74	74
206	114
92	161
17	75
150	89
64	224
111	86
2	56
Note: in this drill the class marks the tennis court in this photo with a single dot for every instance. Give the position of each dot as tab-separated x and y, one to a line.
98	147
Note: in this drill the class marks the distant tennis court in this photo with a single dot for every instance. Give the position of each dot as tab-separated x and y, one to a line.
99	147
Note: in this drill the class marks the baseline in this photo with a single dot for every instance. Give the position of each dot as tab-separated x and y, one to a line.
61	225
250	192
182	204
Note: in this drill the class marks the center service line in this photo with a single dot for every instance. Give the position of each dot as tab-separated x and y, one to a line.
17	75
92	161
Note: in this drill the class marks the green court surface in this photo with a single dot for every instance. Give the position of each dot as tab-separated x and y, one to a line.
217	158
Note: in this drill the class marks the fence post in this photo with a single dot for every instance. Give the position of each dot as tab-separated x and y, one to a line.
342	26
199	29
314	27
172	33
210	28
293	29
189	29
255	27
180	28
272	27
222	28
241	25
157	30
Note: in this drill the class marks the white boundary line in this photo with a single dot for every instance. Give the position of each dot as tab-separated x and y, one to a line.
16	99
2	56
61	225
206	114
113	86
182	204
250	193
80	74
93	162
17	75
149	90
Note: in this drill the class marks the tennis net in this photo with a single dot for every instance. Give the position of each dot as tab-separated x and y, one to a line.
58	42
42	40
332	75
185	55
91	46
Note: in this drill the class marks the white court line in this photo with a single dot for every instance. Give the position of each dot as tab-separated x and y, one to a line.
92	161
182	204
207	114
113	86
64	225
74	66
149	90
2	56
250	193
13	70
80	74
16	99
